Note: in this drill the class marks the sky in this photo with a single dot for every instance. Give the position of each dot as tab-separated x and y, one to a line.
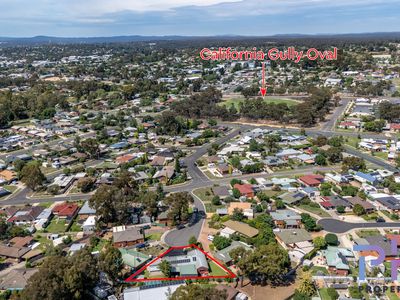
88	18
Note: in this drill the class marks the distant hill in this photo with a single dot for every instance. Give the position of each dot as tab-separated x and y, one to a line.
140	38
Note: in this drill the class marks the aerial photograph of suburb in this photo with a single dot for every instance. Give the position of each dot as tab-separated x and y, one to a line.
200	150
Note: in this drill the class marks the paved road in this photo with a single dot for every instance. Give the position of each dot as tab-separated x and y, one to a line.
331	122
180	237
338	226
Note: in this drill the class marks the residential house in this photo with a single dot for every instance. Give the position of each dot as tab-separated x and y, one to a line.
13	252
332	202
26	215
337	260
7	176
245	207
190	263
292	198
223	255
134	259
89	225
286	218
165	174
241	228
368	207
17	279
288	238
246	190
86	211
223	169
127	236
313	180
152	292
221	191
66	210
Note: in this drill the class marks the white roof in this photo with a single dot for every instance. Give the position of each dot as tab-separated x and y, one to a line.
159	293
228	230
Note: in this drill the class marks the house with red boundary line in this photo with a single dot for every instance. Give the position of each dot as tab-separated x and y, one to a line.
187	262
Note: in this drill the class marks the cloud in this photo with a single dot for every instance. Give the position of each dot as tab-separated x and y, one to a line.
192	17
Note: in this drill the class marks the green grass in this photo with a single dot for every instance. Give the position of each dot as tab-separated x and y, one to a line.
389	215
216	270
352	141
75	227
314	270
210	208
11	188
57	225
236	101
367	232
370	217
100	245
383	155
205	194
392	296
315	210
156	236
324	294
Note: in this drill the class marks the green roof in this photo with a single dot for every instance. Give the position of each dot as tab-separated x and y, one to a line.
335	258
133	258
187	269
292	236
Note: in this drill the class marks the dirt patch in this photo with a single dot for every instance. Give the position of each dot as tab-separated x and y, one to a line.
256	292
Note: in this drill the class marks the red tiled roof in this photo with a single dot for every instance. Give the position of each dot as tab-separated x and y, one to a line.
314	179
326	204
244	188
394	126
65	209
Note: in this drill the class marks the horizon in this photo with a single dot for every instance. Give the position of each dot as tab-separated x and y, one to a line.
95	18
203	36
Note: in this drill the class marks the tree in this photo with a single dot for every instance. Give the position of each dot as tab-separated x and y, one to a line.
216	200
150	200
179	206
309	222
236	193
306	284
237	214
165	268
267	263
114	202
32	176
110	261
354	163
196	291
280	204
358	210
320	160
331	239
192	240
319	242
86	184
63	278
91	147
340	209
221	242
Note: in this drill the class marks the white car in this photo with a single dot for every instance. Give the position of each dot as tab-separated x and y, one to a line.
210	237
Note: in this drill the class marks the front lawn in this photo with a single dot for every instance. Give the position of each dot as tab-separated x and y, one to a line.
367	232
315	210
11	188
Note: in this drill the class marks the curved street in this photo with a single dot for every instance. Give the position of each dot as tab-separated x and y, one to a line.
338	226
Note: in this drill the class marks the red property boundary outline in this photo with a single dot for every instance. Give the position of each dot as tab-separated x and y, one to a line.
133	279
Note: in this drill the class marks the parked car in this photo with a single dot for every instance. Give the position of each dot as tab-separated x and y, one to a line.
380	220
210	237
